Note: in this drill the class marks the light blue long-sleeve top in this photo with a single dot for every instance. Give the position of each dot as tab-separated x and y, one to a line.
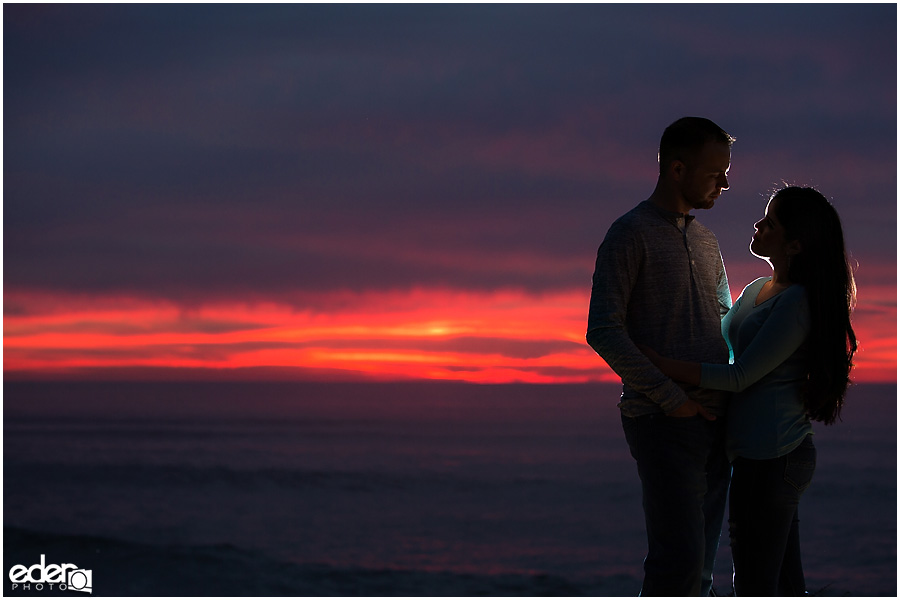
766	415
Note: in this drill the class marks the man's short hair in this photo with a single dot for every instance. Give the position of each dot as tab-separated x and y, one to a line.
683	139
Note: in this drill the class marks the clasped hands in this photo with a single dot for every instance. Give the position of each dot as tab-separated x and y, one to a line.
690	407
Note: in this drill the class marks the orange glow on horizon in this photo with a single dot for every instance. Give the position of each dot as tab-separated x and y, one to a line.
496	337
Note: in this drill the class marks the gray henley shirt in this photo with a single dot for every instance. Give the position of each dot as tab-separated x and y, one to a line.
659	281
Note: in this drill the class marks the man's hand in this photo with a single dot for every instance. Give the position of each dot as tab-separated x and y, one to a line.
689	409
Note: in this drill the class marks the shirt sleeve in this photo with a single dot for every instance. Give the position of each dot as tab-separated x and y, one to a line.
723	292
783	332
618	262
726	323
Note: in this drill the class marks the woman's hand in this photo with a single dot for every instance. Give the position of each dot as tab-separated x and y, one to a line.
679	370
652	354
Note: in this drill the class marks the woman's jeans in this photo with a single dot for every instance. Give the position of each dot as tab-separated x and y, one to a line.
764	525
684	477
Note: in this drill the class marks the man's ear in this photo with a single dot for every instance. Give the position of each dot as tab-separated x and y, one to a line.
677	170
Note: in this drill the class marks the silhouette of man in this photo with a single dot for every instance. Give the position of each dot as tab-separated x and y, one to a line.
660	279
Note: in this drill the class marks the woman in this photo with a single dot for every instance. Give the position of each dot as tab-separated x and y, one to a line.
792	342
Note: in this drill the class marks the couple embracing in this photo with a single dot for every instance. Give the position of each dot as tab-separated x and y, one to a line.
714	393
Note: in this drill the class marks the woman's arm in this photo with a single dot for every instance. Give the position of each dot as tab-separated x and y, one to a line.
679	370
783	333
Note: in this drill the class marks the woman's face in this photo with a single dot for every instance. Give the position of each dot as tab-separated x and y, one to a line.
769	240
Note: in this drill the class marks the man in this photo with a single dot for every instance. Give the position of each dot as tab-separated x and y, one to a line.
660	281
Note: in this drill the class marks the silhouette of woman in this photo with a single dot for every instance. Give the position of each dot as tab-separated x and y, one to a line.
793	343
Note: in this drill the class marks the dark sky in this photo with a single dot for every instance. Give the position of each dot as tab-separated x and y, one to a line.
194	153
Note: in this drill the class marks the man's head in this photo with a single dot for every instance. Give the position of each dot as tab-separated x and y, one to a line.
694	157
683	140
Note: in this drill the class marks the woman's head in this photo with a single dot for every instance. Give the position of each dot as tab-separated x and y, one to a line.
818	261
811	222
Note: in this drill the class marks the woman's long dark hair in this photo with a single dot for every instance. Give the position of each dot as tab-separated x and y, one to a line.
822	268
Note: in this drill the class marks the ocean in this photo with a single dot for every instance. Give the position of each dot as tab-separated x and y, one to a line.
384	489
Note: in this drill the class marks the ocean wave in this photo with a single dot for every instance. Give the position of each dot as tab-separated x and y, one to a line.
124	568
123	475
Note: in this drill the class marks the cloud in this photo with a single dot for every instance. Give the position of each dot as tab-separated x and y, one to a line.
196	156
496	337
501	336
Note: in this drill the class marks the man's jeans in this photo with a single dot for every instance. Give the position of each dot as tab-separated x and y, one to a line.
684	476
764	524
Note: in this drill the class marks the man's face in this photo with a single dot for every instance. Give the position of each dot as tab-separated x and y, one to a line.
705	176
